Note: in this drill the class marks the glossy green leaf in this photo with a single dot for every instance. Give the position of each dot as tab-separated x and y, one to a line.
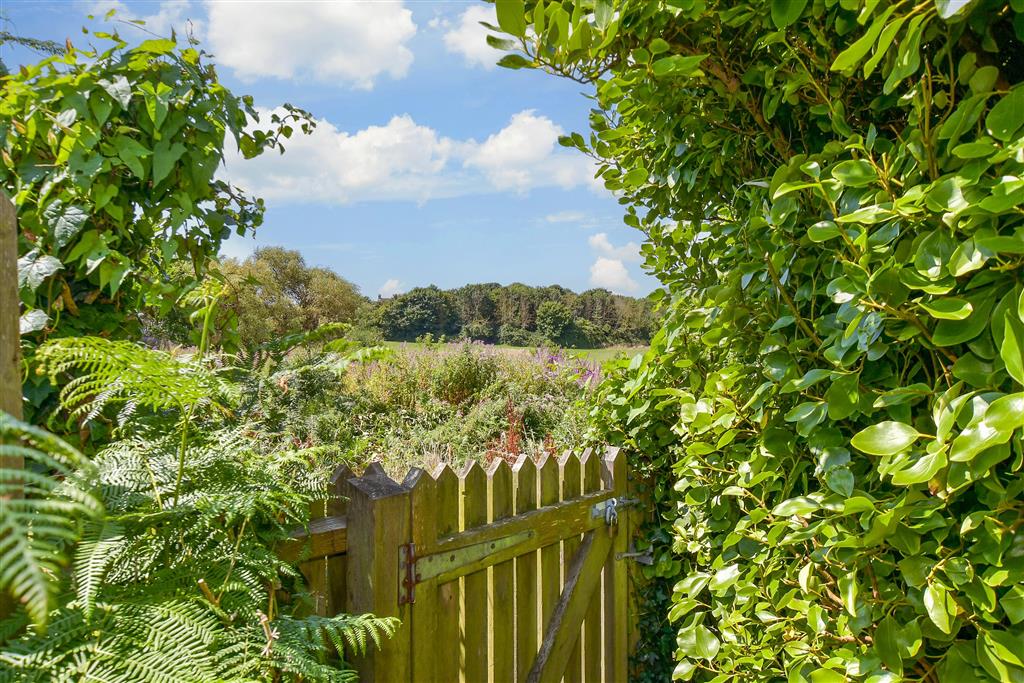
950	308
1007	116
511	16
922	470
801	506
885	438
940	606
786	12
1012	348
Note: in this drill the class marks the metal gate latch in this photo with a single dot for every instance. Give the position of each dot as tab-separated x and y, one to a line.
609	509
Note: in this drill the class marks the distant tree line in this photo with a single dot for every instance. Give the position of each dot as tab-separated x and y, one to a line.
274	292
515	314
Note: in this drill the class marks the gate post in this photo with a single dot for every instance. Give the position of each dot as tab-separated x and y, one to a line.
378	527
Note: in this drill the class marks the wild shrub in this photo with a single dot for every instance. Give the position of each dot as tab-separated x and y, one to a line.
171	529
830	421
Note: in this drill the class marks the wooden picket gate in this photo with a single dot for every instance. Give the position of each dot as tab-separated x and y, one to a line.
509	574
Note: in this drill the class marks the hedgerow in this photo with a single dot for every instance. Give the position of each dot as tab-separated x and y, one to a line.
830	421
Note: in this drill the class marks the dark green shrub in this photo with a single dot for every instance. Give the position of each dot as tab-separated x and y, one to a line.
829	422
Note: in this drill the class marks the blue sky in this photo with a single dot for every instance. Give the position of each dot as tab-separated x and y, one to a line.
429	165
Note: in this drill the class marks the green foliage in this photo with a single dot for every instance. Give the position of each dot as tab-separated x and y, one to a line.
41	504
516	315
110	155
179	579
274	293
418	407
830	421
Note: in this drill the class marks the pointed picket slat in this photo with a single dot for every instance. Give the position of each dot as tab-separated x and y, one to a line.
613	472
550	556
447	636
592	654
423	504
503	582
527	626
571	485
474	509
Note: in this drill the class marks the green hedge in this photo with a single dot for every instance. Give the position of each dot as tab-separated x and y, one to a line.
830	420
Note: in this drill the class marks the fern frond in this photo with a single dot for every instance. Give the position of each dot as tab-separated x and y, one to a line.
99	547
38	513
123	372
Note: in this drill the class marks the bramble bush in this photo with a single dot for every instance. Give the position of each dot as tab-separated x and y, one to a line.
829	422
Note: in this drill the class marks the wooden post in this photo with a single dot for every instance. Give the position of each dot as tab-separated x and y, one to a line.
10	335
378	527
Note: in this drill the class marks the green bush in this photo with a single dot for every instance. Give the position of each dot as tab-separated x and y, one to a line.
830	421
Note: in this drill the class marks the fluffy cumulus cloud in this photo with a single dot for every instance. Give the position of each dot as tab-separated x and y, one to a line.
630	251
403	160
612	274
335	43
469	39
391	288
525	153
609	268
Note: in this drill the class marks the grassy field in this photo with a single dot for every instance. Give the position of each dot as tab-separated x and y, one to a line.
595	355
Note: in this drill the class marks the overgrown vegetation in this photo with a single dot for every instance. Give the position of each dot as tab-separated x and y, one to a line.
435	403
174	523
153	557
830	420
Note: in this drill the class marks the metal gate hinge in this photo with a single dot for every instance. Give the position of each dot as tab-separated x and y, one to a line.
407	573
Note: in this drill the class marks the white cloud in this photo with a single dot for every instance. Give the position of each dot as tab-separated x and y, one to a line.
349	43
599	242
391	288
469	39
525	154
179	15
403	160
566	217
612	274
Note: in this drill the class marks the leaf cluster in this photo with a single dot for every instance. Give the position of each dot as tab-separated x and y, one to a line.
830	421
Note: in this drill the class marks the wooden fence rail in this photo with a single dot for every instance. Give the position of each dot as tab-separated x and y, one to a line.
505	574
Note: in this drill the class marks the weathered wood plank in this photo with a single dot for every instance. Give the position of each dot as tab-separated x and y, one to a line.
550	556
10	334
557	515
326	536
592	658
571	487
447	638
562	629
527	624
440	565
424	505
502	625
474	510
10	339
378	526
616	579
